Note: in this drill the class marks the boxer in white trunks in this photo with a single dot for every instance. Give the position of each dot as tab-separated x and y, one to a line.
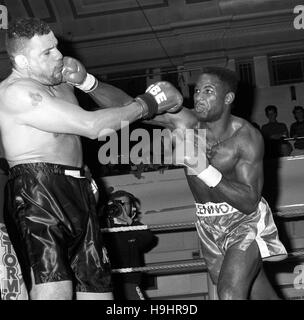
234	222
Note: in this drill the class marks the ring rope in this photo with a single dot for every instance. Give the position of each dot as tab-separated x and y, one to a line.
172	226
293	254
124	229
160	267
290	211
293	212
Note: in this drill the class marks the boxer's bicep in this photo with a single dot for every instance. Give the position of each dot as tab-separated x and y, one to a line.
248	173
249	168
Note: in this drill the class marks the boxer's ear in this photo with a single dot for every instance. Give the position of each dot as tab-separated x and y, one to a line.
229	97
21	61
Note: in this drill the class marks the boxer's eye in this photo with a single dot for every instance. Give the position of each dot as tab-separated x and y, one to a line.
208	91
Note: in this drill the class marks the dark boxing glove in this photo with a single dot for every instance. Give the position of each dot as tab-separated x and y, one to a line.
160	97
74	72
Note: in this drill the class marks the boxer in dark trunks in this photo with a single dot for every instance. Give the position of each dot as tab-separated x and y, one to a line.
50	204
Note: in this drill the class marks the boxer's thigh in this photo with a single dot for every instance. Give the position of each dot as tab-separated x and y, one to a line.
238	271
56	290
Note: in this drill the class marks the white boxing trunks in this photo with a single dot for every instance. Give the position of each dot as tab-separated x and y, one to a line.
221	226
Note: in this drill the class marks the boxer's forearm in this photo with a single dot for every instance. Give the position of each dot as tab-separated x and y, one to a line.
239	195
108	96
162	120
106	121
185	118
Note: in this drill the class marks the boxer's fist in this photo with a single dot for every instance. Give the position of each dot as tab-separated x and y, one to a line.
190	150
167	96
160	97
74	72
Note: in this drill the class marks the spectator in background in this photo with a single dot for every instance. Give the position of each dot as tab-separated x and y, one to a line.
297	130
126	248
273	132
274	129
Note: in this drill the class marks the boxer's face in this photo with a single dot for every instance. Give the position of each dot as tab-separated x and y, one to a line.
299	115
272	115
44	60
209	97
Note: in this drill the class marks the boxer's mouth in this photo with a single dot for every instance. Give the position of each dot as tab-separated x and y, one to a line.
59	68
201	107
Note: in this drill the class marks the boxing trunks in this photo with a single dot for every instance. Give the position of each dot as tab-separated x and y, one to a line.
221	226
51	213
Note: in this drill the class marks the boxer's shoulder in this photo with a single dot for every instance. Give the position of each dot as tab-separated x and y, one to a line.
244	130
184	119
19	94
18	86
248	139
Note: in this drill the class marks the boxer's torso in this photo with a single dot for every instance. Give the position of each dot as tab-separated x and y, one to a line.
223	155
26	144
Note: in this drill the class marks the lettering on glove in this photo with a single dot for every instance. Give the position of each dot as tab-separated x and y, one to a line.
157	92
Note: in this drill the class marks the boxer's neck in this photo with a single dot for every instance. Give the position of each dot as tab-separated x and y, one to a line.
217	131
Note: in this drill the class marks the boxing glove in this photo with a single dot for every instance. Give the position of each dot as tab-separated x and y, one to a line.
74	72
160	97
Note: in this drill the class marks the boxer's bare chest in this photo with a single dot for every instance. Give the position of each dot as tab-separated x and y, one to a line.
65	93
223	155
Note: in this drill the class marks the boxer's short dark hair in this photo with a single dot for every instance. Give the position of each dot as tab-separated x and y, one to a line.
271	107
297	108
227	76
21	30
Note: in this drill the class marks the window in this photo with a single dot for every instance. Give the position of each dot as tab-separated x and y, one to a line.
286	69
245	71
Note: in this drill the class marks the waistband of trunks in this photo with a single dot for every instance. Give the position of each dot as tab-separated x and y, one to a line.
45	168
214	209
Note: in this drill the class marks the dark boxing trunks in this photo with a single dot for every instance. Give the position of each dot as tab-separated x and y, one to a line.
53	208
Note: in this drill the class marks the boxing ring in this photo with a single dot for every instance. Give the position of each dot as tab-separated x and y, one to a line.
178	259
175	266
